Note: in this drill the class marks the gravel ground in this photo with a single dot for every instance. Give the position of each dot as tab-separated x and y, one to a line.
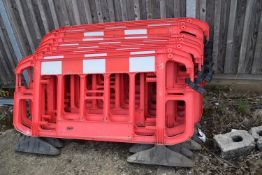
224	110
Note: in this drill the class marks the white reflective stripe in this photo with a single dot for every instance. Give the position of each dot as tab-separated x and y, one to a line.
117	42
92	39
86	47
51	68
96	55
135	37
73	44
136	31
94	34
94	66
54	57
142	64
142	52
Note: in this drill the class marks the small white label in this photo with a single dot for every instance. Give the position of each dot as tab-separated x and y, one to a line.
142	64
136	32
51	68
94	34
94	66
142	52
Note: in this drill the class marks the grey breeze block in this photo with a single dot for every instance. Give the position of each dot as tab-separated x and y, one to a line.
234	143
256	132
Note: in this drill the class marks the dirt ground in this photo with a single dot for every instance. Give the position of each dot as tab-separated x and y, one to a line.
224	110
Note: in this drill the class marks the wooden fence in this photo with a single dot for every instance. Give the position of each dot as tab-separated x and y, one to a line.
236	27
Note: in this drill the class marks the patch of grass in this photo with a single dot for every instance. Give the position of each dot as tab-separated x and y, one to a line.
218	88
243	106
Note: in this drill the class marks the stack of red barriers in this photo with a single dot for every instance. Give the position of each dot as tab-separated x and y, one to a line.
136	82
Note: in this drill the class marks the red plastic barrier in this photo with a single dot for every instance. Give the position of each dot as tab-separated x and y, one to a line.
121	82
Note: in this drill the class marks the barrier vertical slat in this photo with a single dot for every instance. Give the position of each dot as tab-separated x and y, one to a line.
60	100
117	91
106	96
82	96
160	102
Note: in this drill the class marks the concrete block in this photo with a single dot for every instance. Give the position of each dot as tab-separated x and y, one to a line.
234	143
256	132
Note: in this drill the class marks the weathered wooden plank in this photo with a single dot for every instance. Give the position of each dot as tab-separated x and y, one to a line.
257	63
123	10
62	15
14	33
246	66
238	30
130	10
117	10
170	8
87	12
243	50
105	10
216	33
191	8
25	25
34	21
177	8
3	76
93	10
223	34
4	62
155	9
182	8
43	16
143	12
202	9
76	12
70	12
53	13
229	64
7	50
162	4
210	18
99	11
149	9
11	30
111	10
137	10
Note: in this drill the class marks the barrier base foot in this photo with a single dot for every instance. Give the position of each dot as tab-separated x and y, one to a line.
37	145
160	155
53	141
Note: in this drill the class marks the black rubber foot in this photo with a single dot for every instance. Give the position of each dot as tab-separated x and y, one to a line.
36	146
186	148
53	141
160	155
